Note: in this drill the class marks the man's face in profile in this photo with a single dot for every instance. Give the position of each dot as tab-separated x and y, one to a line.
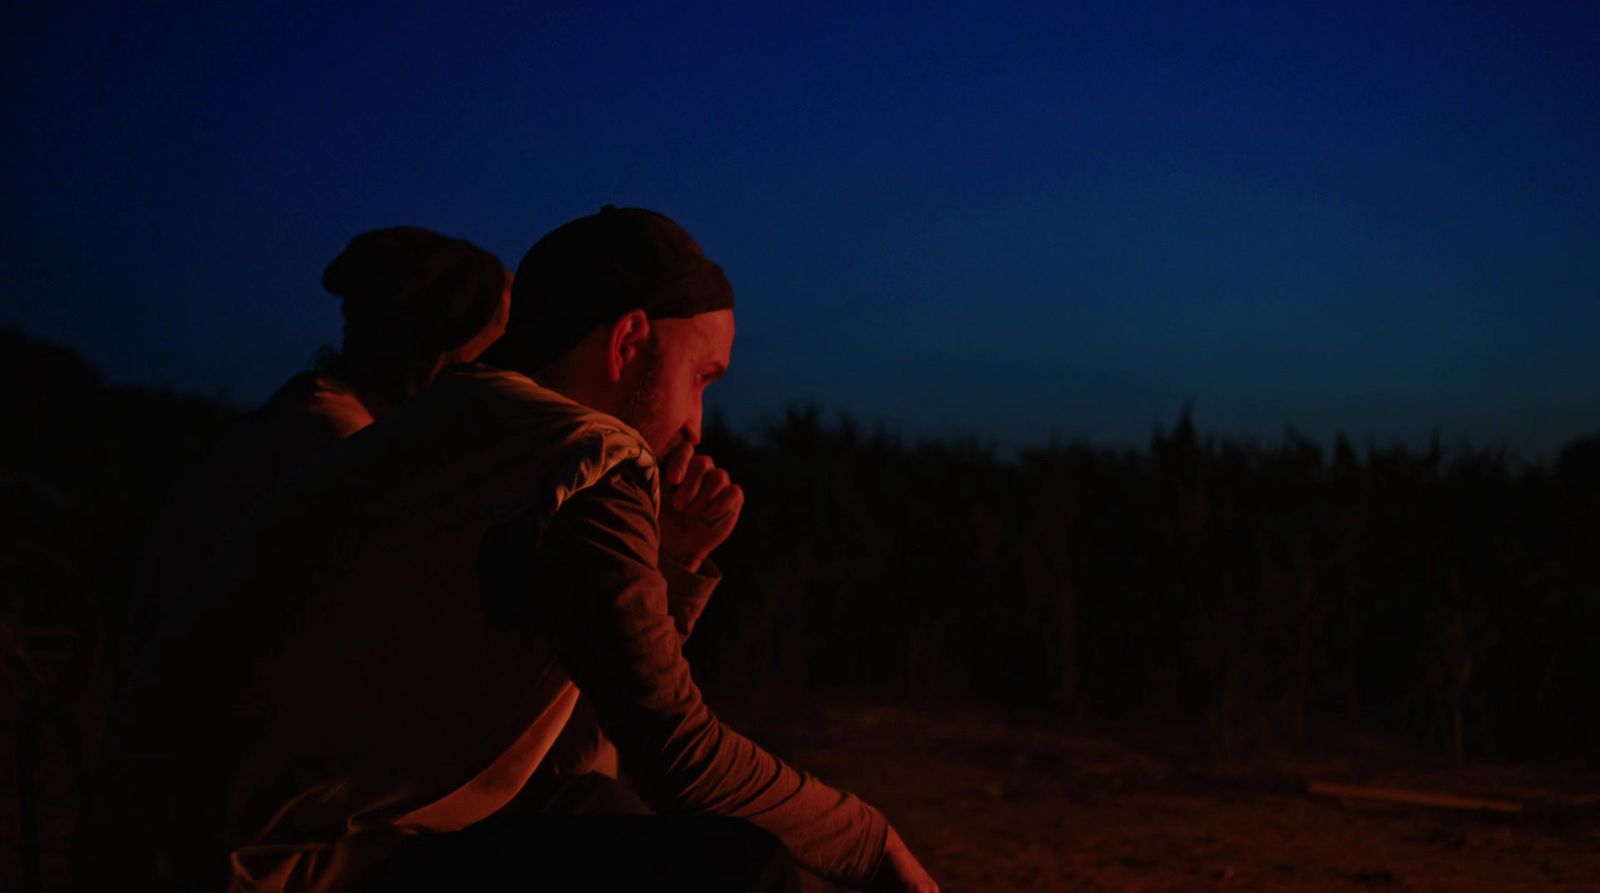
664	399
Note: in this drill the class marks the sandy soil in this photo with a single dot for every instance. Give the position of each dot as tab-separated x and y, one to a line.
994	802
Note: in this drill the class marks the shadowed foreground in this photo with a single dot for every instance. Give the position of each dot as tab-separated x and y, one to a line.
998	803
1003	802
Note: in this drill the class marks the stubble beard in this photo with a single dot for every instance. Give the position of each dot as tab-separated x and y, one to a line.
641	406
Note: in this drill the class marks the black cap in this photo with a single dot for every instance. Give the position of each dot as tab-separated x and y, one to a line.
411	292
596	268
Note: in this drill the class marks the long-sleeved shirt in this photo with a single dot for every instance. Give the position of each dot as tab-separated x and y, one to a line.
403	630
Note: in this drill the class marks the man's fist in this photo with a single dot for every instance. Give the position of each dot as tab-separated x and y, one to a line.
900	872
700	505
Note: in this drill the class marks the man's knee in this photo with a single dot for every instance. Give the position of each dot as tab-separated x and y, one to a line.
588	794
745	857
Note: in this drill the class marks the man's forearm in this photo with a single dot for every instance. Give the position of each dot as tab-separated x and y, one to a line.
605	603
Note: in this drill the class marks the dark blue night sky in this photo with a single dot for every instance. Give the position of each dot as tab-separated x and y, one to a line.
991	221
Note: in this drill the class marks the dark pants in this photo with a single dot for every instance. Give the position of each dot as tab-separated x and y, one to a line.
594	834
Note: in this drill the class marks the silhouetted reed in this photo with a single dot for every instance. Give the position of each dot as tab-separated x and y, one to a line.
1452	595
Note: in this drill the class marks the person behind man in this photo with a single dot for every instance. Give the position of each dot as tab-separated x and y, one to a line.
406	626
414	302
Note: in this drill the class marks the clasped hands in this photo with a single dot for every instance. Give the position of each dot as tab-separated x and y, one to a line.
700	506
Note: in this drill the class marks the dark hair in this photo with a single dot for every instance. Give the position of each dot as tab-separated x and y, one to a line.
409	295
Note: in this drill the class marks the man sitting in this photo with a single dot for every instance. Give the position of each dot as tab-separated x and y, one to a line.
402	631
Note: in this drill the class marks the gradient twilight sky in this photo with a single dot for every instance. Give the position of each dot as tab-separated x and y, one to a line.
988	220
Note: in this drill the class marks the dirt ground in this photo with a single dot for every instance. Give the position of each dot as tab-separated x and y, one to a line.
996	802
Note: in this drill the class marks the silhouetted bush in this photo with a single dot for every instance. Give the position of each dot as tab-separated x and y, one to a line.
1450	595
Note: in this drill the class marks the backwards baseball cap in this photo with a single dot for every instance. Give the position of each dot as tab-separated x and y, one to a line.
593	270
409	292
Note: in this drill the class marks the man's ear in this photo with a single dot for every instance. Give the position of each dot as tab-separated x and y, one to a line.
628	336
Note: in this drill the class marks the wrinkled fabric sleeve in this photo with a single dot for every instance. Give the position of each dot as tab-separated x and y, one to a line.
602	598
583	746
688	592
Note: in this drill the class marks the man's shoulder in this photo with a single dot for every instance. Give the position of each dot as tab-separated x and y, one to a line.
581	443
518	400
316	402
